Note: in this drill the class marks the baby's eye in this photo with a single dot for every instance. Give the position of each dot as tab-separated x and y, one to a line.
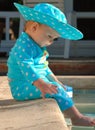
49	36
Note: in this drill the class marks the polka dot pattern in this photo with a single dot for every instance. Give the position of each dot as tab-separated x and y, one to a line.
51	16
26	67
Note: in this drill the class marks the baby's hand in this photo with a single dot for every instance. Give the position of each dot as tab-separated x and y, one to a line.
45	87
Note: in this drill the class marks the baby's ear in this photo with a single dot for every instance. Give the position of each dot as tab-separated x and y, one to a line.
35	26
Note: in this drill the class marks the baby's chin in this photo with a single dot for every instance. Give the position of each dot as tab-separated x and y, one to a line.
44	45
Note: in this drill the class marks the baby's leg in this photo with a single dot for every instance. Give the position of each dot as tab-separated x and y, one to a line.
67	107
77	118
24	91
62	98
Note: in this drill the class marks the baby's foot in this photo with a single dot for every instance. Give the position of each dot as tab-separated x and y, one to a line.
83	121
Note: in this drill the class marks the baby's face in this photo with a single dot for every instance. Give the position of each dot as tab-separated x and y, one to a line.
46	35
43	35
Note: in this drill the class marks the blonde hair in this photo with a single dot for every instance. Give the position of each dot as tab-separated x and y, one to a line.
27	24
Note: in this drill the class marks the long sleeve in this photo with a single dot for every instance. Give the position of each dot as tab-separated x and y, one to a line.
26	63
28	59
49	71
24	52
26	66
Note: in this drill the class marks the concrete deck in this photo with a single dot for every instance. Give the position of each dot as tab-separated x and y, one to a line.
28	115
39	114
33	115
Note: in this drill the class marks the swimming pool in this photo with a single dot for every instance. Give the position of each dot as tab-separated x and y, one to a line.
85	102
87	109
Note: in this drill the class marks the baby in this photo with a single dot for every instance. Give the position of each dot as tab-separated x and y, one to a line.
28	72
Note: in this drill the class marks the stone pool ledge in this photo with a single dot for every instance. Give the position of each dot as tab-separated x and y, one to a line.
30	115
39	114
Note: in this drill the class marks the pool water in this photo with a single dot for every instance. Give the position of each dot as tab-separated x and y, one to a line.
85	102
90	115
81	127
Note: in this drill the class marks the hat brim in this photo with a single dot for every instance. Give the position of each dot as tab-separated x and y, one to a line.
63	29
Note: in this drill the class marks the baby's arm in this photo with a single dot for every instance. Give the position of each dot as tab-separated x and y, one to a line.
51	77
45	87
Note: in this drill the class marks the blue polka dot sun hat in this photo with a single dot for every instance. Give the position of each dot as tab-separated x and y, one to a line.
51	16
